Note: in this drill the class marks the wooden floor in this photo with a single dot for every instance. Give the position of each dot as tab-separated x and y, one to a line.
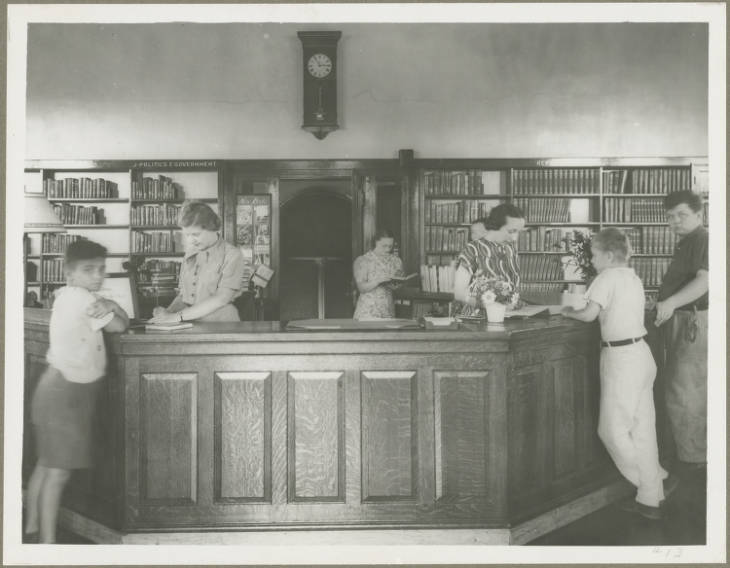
683	523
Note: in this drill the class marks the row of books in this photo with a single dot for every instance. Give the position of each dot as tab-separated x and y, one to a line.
457	211
463	182
52	270
56	242
651	240
546	238
541	267
446	238
159	214
542	292
546	210
658	180
161	188
650	270
80	188
157	266
554	181
78	214
156	241
632	210
437	278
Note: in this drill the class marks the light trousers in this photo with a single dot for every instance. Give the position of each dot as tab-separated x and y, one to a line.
627	421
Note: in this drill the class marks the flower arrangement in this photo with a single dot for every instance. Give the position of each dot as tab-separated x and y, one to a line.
579	246
491	291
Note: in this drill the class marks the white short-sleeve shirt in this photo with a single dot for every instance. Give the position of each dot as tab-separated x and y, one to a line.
620	294
76	340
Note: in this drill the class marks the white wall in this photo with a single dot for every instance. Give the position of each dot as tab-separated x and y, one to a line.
445	90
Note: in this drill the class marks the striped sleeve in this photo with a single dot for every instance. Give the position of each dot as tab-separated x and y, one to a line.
468	258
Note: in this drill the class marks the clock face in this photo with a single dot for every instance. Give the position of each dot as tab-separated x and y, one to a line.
319	65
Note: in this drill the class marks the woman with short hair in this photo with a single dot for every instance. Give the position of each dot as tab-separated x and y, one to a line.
212	272
373	273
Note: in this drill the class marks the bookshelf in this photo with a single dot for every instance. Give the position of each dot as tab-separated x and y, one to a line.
130	208
558	198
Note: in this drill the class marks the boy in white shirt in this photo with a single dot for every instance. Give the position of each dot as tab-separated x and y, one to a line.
65	398
626	423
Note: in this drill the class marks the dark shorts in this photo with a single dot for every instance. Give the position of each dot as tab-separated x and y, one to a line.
62	412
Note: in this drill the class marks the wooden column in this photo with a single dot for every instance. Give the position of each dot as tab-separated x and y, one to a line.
409	212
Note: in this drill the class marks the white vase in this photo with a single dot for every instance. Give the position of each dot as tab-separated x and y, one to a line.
495	312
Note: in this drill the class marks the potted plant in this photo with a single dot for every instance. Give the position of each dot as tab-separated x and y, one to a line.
494	295
579	246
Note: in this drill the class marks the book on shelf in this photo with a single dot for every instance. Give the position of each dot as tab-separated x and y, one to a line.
634	210
161	188
541	267
56	242
155	214
154	241
80	188
438	278
660	180
462	182
551	181
78	214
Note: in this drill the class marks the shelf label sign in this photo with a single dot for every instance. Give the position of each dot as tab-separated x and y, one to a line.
176	164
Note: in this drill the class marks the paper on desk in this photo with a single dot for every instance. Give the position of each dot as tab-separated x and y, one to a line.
526	311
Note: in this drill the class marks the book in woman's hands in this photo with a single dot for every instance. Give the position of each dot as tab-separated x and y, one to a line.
403	278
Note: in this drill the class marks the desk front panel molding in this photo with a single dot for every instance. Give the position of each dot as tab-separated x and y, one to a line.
478	430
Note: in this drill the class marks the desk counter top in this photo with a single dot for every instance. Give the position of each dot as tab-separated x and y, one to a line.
275	331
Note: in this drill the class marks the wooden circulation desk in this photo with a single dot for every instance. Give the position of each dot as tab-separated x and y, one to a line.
238	426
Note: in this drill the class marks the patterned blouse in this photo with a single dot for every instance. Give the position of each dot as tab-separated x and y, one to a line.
378	303
203	273
494	260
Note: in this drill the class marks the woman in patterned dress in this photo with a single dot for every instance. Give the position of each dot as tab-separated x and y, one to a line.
493	255
373	273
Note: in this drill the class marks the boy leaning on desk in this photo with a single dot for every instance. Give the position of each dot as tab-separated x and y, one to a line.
626	423
64	401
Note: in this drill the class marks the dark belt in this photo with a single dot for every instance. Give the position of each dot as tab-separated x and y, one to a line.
622	342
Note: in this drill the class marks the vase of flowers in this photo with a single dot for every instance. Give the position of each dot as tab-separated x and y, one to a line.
494	295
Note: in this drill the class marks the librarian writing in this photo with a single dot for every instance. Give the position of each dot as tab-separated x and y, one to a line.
211	275
492	255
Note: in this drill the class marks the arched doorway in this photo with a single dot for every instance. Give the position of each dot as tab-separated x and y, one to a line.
316	256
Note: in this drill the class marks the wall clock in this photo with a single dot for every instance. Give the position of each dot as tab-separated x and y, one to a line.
319	51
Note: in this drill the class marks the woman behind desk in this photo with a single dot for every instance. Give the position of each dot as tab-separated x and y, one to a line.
373	273
211	275
493	255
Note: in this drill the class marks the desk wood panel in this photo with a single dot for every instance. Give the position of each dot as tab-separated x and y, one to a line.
316	425
243	436
461	433
168	437
389	435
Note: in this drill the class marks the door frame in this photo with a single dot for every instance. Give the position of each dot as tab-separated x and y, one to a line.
240	176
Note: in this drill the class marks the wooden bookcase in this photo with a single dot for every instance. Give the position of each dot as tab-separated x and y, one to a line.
439	200
125	218
559	197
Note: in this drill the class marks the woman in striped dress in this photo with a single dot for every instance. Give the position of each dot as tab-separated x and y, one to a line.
493	255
